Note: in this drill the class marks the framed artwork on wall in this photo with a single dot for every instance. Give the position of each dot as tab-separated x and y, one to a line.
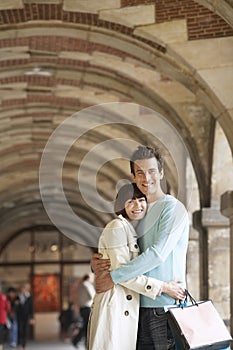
46	293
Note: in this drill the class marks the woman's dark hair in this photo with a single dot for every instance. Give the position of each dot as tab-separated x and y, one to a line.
143	152
128	191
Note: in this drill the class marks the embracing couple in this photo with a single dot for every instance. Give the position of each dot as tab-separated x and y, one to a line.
157	273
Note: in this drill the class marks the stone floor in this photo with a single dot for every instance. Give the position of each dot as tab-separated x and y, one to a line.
48	346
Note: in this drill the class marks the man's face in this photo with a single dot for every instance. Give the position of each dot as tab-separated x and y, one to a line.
147	176
12	295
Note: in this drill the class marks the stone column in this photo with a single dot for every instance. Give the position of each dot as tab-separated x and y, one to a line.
227	210
203	254
213	231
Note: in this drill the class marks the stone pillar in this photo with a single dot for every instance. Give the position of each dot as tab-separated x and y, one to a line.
213	231
203	254
227	210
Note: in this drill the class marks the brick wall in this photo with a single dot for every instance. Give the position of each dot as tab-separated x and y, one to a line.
201	22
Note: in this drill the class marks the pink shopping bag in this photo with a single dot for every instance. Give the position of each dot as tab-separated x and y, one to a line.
198	326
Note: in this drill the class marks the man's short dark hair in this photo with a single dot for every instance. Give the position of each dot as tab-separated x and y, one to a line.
144	152
11	290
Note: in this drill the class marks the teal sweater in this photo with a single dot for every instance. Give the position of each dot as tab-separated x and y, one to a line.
163	240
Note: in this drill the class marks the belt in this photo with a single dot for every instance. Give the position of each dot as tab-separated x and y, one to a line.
157	310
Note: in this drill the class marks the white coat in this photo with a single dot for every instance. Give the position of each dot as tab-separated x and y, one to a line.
113	320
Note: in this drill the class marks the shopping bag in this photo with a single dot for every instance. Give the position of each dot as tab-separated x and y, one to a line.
198	325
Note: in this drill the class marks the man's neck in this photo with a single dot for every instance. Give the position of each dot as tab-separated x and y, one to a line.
155	196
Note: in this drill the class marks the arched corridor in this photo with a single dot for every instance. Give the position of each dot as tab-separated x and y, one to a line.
81	84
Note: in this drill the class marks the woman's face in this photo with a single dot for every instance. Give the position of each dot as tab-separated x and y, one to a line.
136	208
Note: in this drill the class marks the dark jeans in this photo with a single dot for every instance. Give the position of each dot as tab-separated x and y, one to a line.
23	330
153	330
85	312
2	333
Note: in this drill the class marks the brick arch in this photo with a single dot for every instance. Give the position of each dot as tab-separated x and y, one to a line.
96	36
223	8
153	101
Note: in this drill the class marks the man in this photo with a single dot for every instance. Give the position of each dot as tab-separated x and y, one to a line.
86	292
25	314
163	241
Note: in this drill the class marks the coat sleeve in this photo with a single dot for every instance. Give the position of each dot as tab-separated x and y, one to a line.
114	245
30	308
7	307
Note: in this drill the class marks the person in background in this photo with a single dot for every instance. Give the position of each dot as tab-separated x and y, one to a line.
12	295
113	320
4	310
86	292
66	319
25	314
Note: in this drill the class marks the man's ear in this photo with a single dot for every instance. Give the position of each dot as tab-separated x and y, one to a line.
132	177
161	174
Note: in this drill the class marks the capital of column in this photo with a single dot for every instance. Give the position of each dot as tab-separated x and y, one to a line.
227	204
209	217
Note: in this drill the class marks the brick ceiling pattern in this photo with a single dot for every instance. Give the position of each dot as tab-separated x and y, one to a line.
115	64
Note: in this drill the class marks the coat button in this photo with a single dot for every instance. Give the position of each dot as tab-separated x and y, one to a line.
136	246
126	313
129	297
148	287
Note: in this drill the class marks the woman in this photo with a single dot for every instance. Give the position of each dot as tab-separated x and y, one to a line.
4	310
113	320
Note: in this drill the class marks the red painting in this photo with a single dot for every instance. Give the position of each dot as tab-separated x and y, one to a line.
46	293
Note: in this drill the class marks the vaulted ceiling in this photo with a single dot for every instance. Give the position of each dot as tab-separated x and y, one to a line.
59	57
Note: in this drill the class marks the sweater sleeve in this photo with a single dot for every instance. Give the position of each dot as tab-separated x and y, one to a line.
173	223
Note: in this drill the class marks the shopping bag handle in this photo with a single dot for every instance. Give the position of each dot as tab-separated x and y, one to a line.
188	297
